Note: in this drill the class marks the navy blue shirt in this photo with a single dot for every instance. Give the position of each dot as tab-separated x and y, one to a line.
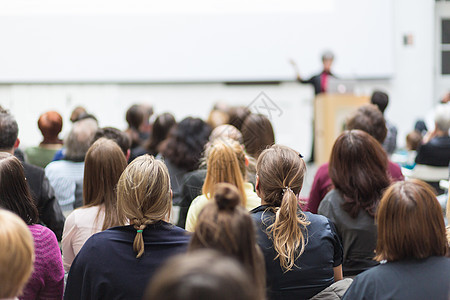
407	279
107	268
313	270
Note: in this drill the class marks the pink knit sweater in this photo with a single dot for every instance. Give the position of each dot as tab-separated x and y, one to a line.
47	280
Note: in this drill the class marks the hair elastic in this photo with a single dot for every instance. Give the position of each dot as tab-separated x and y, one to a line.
140	230
286	188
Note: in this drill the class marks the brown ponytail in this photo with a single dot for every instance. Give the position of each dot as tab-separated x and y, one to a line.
143	196
281	171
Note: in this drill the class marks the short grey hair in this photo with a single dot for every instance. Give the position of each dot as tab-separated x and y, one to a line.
442	117
327	55
9	130
79	139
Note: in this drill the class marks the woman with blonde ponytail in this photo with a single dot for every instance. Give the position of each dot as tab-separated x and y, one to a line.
302	251
118	263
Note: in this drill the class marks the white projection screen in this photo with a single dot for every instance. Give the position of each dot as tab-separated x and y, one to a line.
192	41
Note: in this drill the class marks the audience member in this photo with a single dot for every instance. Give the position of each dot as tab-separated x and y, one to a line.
135	118
358	170
225	163
118	136
193	181
104	164
227	227
161	128
367	118
201	275
47	279
258	134
77	112
146	127
50	213
238	114
303	254
436	148
183	149
217	118
17	255
66	176
106	268
411	240
381	100
50	124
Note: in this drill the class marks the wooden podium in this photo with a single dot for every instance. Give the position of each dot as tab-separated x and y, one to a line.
330	113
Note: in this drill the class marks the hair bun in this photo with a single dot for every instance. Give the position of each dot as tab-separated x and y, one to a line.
226	195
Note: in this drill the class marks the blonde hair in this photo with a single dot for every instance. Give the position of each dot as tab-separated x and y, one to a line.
225	163
280	172
17	254
143	196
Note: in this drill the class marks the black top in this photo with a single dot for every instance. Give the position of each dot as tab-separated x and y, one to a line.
313	270
50	213
107	268
317	82
435	153
409	279
190	189
358	236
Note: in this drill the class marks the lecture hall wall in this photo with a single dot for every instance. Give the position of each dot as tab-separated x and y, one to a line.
410	88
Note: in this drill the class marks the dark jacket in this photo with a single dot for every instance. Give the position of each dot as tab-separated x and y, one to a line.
50	213
313	270
107	268
316	82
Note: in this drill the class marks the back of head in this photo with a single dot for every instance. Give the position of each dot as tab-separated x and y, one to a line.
442	117
134	116
217	118
103	166
258	134
225	163
200	275
9	130
118	136
358	170
380	99
15	194
77	112
227	227
413	140
143	196
410	223
226	131
280	172
50	124
185	143
161	128
79	139
17	255
368	118
238	115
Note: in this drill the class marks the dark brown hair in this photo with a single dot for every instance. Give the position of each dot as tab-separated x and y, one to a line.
238	115
227	227
358	170
15	194
258	134
370	119
280	172
103	166
161	128
410	223
203	274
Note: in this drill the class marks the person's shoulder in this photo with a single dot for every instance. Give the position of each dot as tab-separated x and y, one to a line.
322	171
316	219
42	233
333	197
32	169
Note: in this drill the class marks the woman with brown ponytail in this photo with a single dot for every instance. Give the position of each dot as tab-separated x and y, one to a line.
302	251
118	263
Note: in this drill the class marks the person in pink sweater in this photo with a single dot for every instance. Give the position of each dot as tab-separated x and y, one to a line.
47	279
